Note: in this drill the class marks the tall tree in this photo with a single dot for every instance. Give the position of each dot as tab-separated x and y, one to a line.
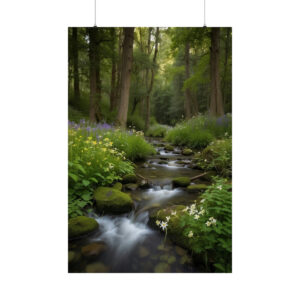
75	63
127	55
113	87
147	121
188	95
216	103
94	71
227	54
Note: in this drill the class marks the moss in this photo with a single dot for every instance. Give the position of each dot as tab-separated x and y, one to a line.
81	225
97	267
209	175
109	200
129	178
131	186
169	148
118	186
194	188
162	268
187	152
162	162
181	181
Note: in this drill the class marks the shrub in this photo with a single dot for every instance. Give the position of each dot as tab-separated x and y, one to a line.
199	131
157	130
208	225
136	122
217	156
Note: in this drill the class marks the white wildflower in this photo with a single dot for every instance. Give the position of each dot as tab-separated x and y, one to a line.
219	187
173	213
163	225
157	222
196	217
202	201
208	223
168	218
190	234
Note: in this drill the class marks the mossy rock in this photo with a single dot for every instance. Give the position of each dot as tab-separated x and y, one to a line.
169	148
80	226
109	200
131	186
97	267
175	231
187	152
195	188
73	257
93	250
181	181
162	268
130	178
162	162
118	186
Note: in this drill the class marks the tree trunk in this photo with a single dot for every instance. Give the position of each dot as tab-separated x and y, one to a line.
93	72
75	63
188	96
147	121
119	67
113	74
127	56
216	103
227	45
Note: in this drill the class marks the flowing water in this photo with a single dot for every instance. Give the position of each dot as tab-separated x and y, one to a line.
131	245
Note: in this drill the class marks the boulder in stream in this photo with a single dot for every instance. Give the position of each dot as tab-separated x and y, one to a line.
93	250
131	186
109	200
130	178
181	181
118	186
195	188
97	267
80	226
187	152
169	148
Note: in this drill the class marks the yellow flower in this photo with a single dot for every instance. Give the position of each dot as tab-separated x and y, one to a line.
106	139
88	163
94	142
100	143
89	138
104	149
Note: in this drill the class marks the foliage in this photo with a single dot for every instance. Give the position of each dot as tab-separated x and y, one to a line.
136	122
207	224
157	130
200	131
217	156
98	156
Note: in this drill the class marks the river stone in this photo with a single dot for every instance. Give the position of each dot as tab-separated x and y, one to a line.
143	252
195	188
187	152
164	257
181	181
118	186
71	256
80	226
169	148
129	178
145	184
109	200
131	186
180	251
171	259
162	268
97	267
162	162
185	260
93	249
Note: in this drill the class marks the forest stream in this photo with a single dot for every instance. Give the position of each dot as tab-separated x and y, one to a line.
131	244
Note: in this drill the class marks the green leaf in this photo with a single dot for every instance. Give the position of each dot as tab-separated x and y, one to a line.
85	182
74	177
86	197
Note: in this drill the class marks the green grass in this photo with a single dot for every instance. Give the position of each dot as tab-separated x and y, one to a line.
157	130
200	131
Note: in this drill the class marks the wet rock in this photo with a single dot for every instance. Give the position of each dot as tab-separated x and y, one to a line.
145	184
195	188
163	158
180	251
162	268
129	178
145	165
93	250
97	267
131	186
164	257
109	200
169	148
80	226
143	252
177	152
162	162
181	181
187	152
117	186
171	259
72	257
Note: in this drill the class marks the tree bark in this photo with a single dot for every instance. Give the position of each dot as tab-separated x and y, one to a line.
113	92
187	92
227	45
216	103
93	58
147	121
127	56
119	68
75	63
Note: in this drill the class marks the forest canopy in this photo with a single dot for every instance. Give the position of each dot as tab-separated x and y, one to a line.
144	75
